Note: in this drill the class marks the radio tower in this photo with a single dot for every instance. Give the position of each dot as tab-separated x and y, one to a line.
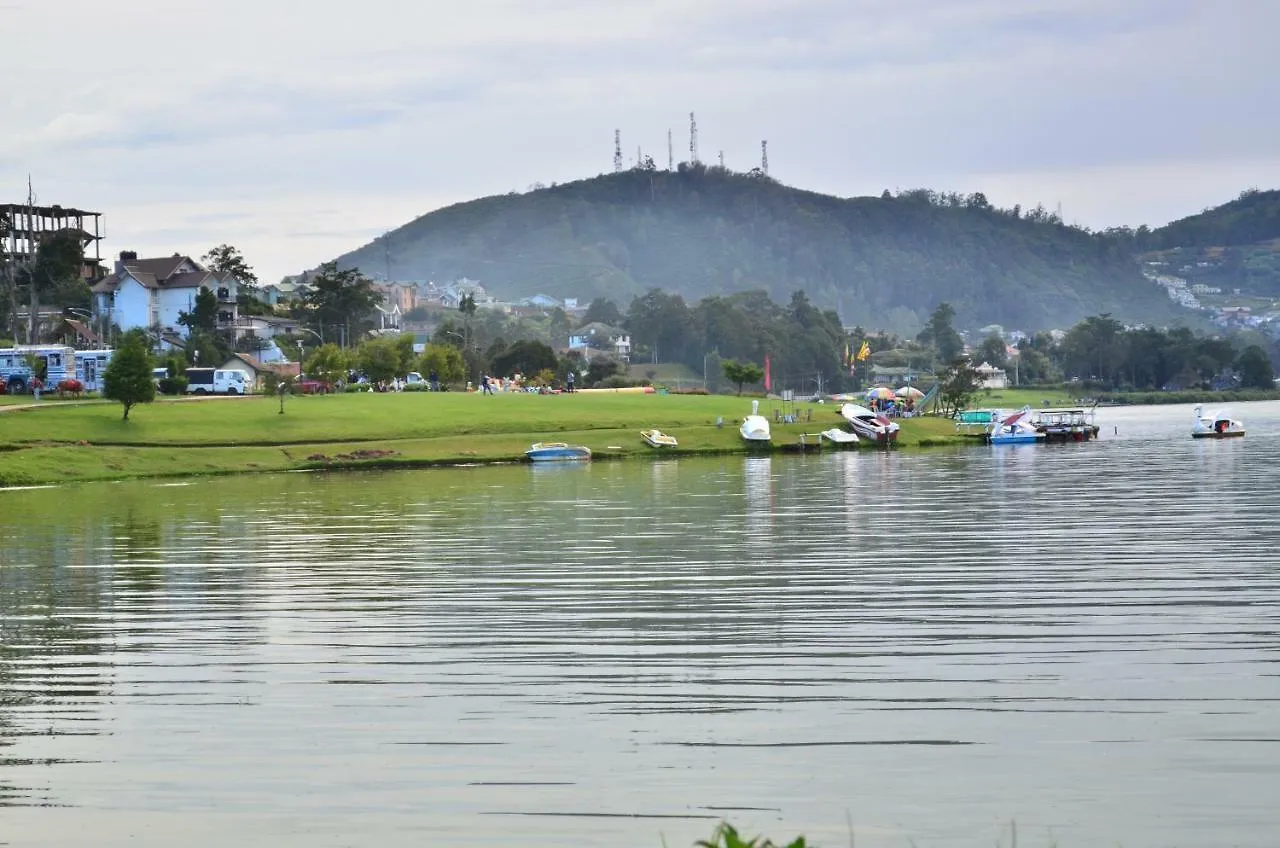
671	156
721	158
617	151
693	140
764	157
639	158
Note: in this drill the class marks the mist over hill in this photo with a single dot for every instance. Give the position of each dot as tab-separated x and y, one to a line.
879	261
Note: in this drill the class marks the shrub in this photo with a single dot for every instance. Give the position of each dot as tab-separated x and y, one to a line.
173	385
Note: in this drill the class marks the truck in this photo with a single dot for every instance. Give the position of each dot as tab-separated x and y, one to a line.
217	381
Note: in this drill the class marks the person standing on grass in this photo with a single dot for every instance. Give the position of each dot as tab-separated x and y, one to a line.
568	382
434	379
485	388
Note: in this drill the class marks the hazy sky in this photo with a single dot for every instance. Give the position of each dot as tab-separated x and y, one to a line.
300	130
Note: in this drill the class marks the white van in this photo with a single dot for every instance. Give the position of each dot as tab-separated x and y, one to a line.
217	381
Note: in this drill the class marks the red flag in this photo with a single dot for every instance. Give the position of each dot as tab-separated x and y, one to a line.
768	382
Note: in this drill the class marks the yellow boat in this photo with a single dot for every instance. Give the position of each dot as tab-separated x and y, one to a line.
658	439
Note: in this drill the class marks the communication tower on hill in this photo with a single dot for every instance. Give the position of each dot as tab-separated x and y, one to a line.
764	157
721	158
693	140
671	156
617	151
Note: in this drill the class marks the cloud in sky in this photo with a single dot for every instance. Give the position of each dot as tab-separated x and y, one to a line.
298	131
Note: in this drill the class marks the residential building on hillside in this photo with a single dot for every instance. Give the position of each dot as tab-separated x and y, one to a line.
992	377
597	336
151	293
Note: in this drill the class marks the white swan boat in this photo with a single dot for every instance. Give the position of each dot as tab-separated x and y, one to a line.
1017	429
840	437
658	439
1215	425
755	427
869	425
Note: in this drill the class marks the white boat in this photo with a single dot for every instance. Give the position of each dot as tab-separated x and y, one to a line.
840	437
1016	429
1215	425
869	425
658	439
755	427
557	452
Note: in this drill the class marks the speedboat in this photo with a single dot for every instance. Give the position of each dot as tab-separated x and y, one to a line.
1017	429
658	439
755	427
1215	425
840	437
869	425
557	452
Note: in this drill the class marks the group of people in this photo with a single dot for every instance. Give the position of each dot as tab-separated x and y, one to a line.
894	408
491	385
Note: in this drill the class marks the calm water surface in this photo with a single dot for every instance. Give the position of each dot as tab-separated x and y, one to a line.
1084	638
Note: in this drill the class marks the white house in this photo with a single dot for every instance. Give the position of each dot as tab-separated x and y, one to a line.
151	293
992	377
601	337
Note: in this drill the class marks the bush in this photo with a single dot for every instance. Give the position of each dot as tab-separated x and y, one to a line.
173	385
618	382
417	387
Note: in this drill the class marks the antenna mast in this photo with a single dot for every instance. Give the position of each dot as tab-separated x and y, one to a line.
617	151
671	156
721	158
764	157
693	140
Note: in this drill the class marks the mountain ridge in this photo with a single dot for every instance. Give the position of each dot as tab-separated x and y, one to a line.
879	261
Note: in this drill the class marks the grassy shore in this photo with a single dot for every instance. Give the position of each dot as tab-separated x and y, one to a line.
58	442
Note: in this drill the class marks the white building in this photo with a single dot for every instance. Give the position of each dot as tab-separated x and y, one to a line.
152	293
992	377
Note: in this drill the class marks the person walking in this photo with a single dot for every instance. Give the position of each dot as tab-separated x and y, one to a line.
485	387
434	380
568	383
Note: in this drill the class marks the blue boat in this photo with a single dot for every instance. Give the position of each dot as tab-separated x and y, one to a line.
557	452
1017	429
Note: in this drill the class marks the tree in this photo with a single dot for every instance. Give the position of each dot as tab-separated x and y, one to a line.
604	311
53	271
1255	369
207	349
523	357
128	375
939	333
408	356
993	351
467	305
741	373
960	382
446	361
659	321
203	317
379	359
601	369
225	259
340	299
328	363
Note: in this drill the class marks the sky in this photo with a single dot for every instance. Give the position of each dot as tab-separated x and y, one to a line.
297	132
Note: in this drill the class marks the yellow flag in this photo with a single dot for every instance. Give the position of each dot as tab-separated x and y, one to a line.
864	351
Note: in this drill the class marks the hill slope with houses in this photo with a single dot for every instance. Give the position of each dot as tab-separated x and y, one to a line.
879	261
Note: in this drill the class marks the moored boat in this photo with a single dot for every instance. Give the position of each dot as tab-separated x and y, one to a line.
1215	425
755	427
869	425
557	452
657	439
1015	429
840	437
1065	425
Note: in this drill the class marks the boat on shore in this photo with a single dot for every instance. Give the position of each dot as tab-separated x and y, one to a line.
869	425
755	427
839	437
557	452
657	439
1215	425
1016	429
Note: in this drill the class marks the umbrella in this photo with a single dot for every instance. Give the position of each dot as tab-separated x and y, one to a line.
880	393
909	392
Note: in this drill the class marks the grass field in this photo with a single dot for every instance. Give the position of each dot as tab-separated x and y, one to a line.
63	443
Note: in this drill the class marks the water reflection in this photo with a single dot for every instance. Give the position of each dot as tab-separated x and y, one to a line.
1081	637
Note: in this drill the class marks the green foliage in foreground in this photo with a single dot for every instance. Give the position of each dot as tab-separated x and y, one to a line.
727	837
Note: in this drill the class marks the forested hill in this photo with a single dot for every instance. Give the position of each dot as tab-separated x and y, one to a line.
880	261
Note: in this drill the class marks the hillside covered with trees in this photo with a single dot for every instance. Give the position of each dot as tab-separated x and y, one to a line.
701	231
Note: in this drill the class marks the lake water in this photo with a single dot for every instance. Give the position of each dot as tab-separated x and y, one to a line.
921	646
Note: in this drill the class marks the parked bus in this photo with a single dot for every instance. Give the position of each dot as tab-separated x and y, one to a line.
16	372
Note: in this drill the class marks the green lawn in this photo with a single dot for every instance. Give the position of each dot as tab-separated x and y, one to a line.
63	443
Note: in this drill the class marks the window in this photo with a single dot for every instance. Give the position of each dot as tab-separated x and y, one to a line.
224	293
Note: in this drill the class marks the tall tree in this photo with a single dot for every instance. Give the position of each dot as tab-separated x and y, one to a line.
1255	369
960	383
941	335
203	317
604	311
660	322
128	375
992	350
225	259
446	361
340	300
328	363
